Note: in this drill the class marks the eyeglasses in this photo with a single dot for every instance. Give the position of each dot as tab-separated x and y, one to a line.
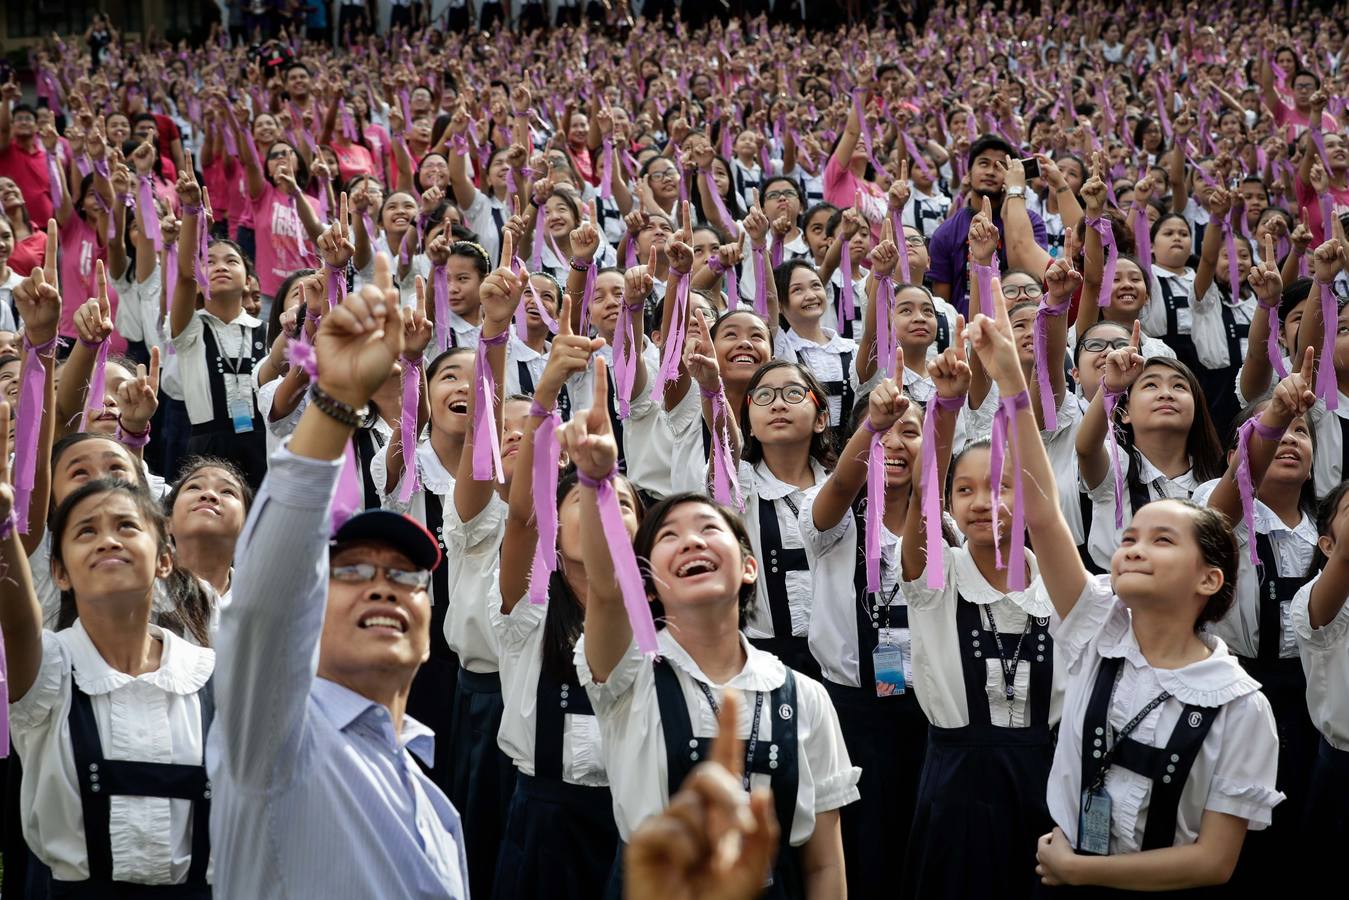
915	240
1096	345
279	154
663	174
360	573
791	393
1028	291
781	195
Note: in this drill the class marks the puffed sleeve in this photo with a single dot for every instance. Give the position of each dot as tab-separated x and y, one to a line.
831	770
606	696
816	541
1095	609
1333	637
1243	780
919	596
49	689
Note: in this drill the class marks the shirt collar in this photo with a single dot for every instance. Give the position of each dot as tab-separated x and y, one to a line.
1148	473
435	477
522	351
343	706
769	487
183	667
243	319
462	325
976	589
762	671
1267	521
1210	682
832	341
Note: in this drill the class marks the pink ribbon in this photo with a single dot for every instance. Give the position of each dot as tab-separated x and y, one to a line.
897	221
932	520
1245	485
1230	243
847	308
407	425
536	253
200	264
1143	241
760	282
1272	340
1005	427
886	339
1326	387
1101	225
54	180
626	573
146	199
725	484
607	170
440	292
865	129
875	506
626	359
1108	400
674	341
27	422
486	443
97	384
984	277
547	453
350	495
1041	343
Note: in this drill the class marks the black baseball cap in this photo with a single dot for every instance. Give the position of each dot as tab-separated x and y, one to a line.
402	533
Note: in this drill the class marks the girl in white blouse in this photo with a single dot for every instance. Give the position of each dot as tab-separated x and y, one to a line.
985	670
1321	622
109	715
655	717
559	839
830	356
851	629
1167	750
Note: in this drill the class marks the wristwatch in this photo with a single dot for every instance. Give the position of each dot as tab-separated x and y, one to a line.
1015	192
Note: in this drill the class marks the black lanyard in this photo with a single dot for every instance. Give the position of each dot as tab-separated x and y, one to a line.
753	743
1117	736
1008	667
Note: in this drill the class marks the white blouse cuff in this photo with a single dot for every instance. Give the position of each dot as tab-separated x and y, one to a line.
1332	636
837	790
1253	802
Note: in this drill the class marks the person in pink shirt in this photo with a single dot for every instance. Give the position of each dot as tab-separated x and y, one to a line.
1295	118
354	157
1313	180
83	224
849	171
22	157
278	226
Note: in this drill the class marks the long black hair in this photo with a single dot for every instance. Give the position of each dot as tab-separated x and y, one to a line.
190	612
1325	516
1201	441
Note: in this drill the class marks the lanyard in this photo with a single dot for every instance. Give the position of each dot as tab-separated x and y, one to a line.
1117	736
1008	667
753	743
245	333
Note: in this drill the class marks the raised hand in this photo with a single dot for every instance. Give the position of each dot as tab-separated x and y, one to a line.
417	328
138	397
886	406
189	192
756	226
639	280
1264	278
1062	279
569	355
1294	395
588	438
1123	366
983	236
38	297
585	242
360	339
992	339
950	369
885	255
700	356
93	320
335	243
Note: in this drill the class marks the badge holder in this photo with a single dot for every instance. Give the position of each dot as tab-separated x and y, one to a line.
1093	823
240	402
888	661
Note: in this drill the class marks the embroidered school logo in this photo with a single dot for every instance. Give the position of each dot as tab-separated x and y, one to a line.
785	711
1195	720
1042	621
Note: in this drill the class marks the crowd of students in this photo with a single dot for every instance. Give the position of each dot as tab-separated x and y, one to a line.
668	460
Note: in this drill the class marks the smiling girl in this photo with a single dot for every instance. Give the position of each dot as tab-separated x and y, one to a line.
804	303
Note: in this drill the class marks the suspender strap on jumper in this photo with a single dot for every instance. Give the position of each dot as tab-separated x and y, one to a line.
778	561
440	576
217	366
842	389
101	779
527	387
1168	767
978	646
1274	591
868	613
775	754
553	701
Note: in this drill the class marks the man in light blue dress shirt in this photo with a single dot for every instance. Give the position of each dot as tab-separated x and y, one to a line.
316	793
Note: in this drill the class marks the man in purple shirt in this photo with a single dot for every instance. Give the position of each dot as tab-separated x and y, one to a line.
949	248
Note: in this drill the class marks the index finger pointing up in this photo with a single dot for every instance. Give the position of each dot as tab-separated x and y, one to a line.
507	247
49	261
564	317
1309	366
1136	339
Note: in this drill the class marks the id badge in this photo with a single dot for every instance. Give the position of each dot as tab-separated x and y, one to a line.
1093	823
888	661
899	637
239	400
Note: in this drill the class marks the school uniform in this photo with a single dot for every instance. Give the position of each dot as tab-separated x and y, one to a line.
797	248
992	698
9	315
780	621
1220	328
883	726
560	839
639	443
925	212
558	267
1331	431
1148	346
114	796
1148	485
1325	660
486	217
1206	738
746	179
831	362
524	370
1169	313
833	310
216	361
656	725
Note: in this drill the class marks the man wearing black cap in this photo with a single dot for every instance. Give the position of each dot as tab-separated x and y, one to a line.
316	793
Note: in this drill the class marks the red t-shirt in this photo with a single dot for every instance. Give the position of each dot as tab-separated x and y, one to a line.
1307	199
29	171
353	160
29	253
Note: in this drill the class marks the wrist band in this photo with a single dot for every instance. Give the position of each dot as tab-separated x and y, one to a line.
92	345
948	403
709	395
335	409
635	307
866	423
583	266
716	265
122	198
45	349
589	482
537	411
1019	400
496	340
1269	432
192	209
132	439
7	525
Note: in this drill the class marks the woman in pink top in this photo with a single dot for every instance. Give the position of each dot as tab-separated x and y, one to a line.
83	225
849	171
354	157
278	229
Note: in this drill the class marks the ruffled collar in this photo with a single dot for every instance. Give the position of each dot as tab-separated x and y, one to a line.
435	477
1213	681
762	671
183	667
769	487
976	589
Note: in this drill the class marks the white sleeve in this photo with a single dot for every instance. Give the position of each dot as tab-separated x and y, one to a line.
1206	328
1088	617
1333	637
127	319
1244	778
918	595
1152	317
831	770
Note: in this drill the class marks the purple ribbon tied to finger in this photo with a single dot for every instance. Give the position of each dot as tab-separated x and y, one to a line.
983	276
1326	387
1040	339
1245	484
1230	245
1276	360
847	308
1101	225
674	342
27	424
1109	399
932	520
145	197
885	333
94	401
626	573
875	506
440	296
1005	428
547	454
760	282
486	443
54	180
725	483
411	381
